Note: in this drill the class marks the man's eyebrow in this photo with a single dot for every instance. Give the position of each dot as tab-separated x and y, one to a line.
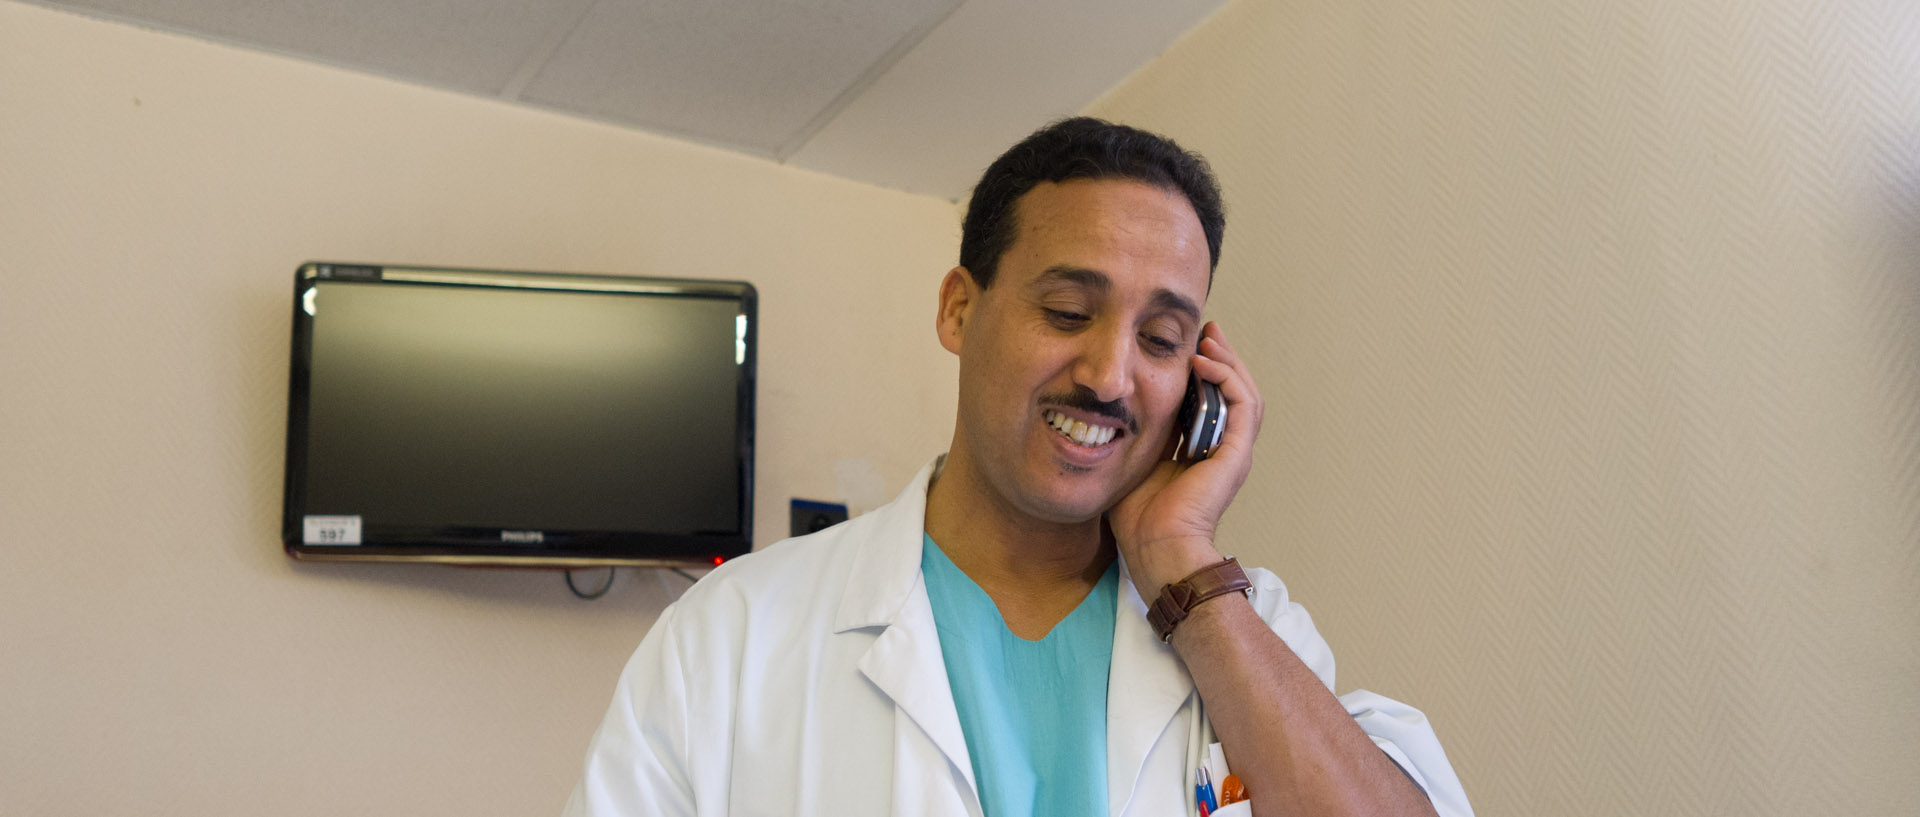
1171	301
1163	299
1078	276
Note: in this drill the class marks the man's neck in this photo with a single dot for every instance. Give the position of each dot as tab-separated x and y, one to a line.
1036	571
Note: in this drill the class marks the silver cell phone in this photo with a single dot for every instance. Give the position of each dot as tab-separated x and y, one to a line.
1201	422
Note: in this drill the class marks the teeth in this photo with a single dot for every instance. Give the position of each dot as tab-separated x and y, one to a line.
1090	436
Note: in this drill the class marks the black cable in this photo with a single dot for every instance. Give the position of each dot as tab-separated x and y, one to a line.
685	575
590	596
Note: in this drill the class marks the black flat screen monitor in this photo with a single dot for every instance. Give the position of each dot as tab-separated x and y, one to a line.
526	419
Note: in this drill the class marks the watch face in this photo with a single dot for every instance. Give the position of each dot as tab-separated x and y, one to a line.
1202	419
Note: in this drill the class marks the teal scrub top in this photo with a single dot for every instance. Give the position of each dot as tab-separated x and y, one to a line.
1034	713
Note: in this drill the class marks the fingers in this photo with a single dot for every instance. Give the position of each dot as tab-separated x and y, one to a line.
1218	363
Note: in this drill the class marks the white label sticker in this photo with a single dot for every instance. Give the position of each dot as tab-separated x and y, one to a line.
331	530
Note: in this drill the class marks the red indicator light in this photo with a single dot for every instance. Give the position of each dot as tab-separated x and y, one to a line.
717	560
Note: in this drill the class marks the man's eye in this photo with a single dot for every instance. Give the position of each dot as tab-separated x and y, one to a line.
1064	317
1161	346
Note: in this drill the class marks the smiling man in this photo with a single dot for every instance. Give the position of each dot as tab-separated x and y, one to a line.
1042	623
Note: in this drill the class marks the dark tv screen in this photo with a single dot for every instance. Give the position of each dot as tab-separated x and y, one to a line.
489	417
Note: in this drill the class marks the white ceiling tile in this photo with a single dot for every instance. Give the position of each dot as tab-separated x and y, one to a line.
916	95
750	75
470	45
992	72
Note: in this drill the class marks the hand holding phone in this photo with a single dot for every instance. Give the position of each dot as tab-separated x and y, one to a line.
1166	525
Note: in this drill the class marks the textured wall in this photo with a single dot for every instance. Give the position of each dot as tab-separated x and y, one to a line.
158	653
1591	339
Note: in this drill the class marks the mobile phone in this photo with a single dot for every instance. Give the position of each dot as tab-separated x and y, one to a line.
1201	421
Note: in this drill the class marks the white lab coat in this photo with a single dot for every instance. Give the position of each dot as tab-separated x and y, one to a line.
807	679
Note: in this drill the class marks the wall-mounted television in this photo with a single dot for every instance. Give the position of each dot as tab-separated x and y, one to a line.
488	417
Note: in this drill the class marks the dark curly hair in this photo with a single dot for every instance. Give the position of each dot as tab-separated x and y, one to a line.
1082	148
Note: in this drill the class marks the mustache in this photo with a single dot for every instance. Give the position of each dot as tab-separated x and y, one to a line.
1083	399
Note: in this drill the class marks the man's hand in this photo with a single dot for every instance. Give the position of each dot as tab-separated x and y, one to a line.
1165	527
1284	733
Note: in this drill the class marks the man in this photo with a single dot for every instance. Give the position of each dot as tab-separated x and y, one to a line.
982	645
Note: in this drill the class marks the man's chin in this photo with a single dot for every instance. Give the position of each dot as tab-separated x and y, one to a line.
1064	514
1079	503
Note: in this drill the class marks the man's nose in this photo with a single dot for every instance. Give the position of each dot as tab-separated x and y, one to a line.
1106	364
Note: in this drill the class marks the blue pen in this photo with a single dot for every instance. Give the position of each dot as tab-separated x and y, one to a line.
1200	794
1206	790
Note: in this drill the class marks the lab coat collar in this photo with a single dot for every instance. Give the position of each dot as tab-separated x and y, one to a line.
885	573
1147	683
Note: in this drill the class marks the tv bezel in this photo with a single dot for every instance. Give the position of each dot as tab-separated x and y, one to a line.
484	546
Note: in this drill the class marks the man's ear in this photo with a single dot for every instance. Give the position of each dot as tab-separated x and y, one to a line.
958	294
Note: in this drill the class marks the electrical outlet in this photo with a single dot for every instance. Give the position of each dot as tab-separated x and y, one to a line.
810	516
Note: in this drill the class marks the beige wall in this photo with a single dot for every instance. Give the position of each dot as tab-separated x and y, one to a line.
158	653
1590	333
1591	339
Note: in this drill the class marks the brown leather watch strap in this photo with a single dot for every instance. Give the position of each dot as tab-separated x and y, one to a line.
1178	599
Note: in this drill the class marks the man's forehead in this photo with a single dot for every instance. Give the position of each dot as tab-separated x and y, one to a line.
1088	232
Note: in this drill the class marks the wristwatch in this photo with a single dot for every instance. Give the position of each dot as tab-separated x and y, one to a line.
1178	599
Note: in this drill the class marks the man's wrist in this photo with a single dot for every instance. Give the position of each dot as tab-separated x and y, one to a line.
1165	562
1179	599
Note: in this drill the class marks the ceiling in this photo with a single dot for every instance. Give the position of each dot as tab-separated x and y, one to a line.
916	95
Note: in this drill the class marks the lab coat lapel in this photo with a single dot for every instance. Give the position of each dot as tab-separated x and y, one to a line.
905	662
1146	688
